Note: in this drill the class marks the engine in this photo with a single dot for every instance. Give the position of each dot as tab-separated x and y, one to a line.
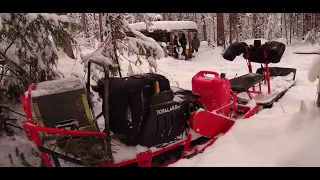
141	116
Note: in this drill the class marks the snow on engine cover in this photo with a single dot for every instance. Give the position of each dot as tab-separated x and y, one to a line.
62	104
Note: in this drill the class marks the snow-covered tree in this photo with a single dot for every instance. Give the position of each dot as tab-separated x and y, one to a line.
28	49
85	31
111	51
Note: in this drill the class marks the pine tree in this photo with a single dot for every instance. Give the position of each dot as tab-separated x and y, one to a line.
28	49
110	52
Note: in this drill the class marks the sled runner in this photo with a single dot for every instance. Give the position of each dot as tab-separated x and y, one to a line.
275	81
157	124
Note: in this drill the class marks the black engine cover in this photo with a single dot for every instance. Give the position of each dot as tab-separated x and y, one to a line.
165	121
141	117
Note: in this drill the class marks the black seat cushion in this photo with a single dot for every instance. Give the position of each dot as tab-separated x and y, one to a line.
278	71
244	82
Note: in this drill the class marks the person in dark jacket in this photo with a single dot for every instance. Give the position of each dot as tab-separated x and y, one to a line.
175	47
164	38
195	43
183	43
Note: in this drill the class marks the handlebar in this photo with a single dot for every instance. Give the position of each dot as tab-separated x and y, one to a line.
203	73
106	92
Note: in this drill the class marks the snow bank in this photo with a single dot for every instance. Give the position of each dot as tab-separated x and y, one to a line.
204	44
57	86
290	140
314	70
165	25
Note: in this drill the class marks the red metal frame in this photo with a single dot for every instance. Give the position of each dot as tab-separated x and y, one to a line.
143	159
32	130
266	74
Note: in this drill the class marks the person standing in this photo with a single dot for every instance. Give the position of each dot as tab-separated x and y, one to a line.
164	38
183	43
195	43
175	47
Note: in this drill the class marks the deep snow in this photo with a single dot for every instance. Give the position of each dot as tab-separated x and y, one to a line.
280	136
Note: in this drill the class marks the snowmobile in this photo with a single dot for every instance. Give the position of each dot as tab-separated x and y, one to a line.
157	124
279	79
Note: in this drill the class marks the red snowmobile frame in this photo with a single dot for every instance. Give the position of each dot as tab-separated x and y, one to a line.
220	116
262	74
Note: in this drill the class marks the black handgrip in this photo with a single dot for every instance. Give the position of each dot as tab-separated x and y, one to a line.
106	92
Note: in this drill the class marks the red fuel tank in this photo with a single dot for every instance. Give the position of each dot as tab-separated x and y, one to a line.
214	91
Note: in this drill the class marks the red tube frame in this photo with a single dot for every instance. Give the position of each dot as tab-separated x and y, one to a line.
32	130
266	74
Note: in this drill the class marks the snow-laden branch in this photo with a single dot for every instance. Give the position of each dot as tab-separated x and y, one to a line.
28	46
116	40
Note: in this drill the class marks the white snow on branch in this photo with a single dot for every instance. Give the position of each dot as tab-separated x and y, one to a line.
99	57
165	25
31	17
149	42
54	17
157	17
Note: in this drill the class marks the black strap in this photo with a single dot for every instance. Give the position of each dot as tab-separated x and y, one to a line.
60	156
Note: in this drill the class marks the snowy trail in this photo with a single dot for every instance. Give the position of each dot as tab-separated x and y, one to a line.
269	138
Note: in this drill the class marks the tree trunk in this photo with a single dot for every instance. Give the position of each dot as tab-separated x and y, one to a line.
312	20
254	25
317	21
281	22
180	16
204	28
230	27
100	26
307	23
164	16
285	27
214	28
220	30
84	23
297	29
169	17
303	24
67	46
290	30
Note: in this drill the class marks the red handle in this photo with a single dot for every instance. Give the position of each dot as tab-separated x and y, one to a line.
202	73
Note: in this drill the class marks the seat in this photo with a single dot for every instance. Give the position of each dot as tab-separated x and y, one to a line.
278	71
244	82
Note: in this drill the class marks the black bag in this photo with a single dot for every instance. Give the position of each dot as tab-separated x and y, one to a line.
234	49
256	54
129	100
274	50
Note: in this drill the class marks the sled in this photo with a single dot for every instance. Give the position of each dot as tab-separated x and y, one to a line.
192	120
270	83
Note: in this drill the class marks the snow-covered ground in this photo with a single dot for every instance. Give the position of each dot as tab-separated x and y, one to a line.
280	136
